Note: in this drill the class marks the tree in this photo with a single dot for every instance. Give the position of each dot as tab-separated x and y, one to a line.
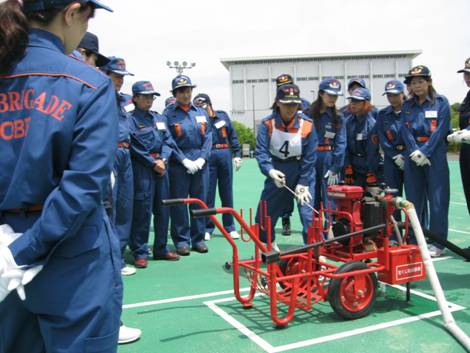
245	135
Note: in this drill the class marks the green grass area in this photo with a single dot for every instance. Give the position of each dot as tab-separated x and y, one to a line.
181	324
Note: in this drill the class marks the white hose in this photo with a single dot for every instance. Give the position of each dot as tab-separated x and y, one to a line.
449	321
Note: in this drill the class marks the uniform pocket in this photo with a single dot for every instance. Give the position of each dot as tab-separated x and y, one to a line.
102	344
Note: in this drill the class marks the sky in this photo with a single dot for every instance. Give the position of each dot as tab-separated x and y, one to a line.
148	33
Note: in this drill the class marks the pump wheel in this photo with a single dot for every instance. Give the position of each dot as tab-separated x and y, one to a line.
354	296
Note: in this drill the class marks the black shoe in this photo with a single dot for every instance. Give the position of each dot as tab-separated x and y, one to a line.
200	248
183	251
286	226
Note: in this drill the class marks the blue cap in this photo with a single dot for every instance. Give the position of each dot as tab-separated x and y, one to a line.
90	42
40	5
145	88
181	81
466	68
288	94
394	87
284	79
417	71
361	82
360	94
331	86
117	66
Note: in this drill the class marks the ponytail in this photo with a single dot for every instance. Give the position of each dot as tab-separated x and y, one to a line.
13	34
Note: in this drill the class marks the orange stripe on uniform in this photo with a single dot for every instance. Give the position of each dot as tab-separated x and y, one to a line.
306	128
48	74
269	125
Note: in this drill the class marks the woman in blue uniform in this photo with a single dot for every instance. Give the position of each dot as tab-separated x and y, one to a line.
426	123
285	151
58	118
225	147
362	161
123	190
464	135
331	132
151	147
388	127
190	129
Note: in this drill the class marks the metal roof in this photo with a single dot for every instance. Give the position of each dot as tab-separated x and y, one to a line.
316	57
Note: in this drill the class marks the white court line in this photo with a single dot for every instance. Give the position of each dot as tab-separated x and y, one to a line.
458	231
267	347
181	299
458	203
207	295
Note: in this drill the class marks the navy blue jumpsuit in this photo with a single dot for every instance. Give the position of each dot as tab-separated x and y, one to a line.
58	136
150	141
297	166
191	132
425	127
225	146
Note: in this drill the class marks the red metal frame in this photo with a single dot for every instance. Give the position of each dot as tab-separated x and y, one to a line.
305	279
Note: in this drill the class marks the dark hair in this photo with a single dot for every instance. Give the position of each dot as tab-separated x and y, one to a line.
15	27
13	34
314	112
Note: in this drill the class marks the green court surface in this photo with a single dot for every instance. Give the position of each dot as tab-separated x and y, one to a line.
188	306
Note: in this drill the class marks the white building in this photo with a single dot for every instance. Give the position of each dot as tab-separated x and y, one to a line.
254	77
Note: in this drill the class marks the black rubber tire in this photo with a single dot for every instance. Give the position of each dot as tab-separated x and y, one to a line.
335	295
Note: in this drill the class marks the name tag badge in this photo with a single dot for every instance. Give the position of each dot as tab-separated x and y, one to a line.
161	125
330	135
359	137
219	124
128	108
430	114
201	119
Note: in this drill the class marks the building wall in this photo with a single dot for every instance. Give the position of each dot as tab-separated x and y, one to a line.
258	79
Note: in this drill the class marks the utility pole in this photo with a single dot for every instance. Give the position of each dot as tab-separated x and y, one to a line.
253	107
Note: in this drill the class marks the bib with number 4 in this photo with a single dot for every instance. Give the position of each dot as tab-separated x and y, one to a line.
285	145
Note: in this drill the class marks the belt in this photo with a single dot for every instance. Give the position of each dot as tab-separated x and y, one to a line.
322	148
220	146
124	145
360	155
287	159
422	138
399	147
30	209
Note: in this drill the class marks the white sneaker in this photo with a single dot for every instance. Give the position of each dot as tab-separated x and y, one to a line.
128	271
434	251
275	247
128	334
207	236
234	234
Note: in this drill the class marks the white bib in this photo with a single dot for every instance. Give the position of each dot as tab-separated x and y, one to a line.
161	125
285	145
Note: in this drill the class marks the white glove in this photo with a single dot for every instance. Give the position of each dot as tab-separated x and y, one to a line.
303	195
419	158
237	163
333	178
190	166
12	276
200	163
461	136
113	180
278	177
399	161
